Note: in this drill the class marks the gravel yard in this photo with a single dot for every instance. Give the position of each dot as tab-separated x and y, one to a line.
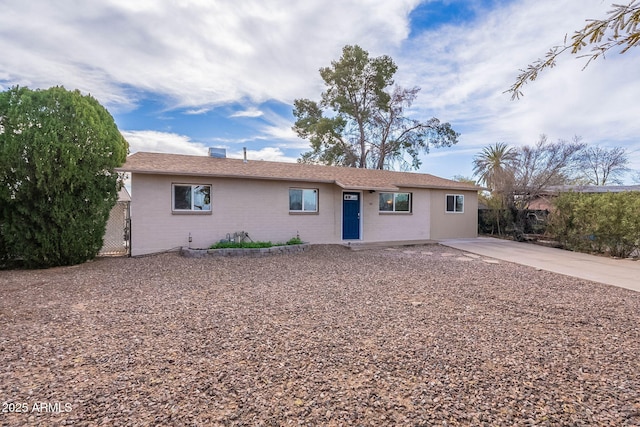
416	336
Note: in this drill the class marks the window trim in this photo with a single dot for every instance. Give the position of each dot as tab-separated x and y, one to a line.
446	204
302	211
190	211
394	211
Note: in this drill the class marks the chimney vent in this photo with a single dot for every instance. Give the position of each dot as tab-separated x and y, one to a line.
218	153
244	149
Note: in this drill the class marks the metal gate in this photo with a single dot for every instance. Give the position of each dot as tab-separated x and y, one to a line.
117	236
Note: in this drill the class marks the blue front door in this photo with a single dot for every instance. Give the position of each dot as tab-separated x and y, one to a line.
350	216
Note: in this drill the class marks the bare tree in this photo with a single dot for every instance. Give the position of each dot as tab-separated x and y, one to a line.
518	175
601	166
541	165
396	139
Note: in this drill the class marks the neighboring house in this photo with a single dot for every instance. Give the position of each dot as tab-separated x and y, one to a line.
195	201
545	200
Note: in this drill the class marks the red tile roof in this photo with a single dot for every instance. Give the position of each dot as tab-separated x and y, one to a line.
347	178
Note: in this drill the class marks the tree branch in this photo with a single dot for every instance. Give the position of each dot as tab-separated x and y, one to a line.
622	21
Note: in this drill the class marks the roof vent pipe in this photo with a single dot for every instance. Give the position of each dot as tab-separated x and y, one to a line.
218	153
244	149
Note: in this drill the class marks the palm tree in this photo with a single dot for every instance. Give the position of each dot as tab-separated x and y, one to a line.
494	167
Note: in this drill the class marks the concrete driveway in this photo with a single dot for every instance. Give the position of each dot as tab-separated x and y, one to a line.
617	272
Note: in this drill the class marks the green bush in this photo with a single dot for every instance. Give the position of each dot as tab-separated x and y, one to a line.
249	245
58	152
600	223
234	245
294	241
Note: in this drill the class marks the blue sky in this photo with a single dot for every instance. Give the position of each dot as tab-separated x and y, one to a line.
182	76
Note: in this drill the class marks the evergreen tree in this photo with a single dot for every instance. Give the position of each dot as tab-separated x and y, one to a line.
361	123
58	151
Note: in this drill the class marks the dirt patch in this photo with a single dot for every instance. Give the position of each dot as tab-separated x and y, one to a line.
326	337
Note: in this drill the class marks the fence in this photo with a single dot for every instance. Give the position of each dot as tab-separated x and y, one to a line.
117	235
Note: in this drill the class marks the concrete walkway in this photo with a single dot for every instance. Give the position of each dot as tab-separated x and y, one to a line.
617	272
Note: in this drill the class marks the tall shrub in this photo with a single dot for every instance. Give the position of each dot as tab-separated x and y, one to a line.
603	222
58	151
620	229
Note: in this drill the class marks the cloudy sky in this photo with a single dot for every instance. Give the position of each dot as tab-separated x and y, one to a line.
182	75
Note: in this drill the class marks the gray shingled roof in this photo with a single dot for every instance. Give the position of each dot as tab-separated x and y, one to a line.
347	178
554	189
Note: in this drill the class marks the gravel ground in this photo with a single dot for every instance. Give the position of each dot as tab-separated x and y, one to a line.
415	336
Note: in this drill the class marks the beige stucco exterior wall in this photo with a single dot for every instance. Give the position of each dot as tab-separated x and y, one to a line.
382	227
261	208
446	225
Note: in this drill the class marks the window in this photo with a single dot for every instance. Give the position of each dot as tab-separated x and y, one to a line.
455	203
191	198
303	200
395	202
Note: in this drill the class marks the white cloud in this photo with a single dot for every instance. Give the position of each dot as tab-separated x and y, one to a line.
163	142
285	136
272	154
201	54
250	112
195	52
464	71
198	111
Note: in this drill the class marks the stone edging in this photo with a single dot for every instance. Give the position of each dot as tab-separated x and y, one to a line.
244	252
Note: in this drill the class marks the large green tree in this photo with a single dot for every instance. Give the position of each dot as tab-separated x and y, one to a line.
360	120
58	151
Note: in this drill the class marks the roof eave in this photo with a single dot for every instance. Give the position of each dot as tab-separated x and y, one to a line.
366	187
216	175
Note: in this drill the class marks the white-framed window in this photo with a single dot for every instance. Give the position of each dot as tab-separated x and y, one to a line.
395	202
455	203
190	198
303	200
